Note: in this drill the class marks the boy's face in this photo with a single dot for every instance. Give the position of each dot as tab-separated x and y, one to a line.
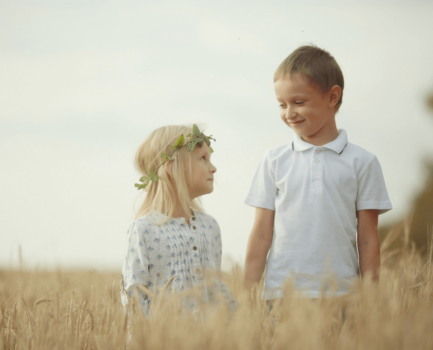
307	109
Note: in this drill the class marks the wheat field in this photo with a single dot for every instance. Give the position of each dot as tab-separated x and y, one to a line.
82	310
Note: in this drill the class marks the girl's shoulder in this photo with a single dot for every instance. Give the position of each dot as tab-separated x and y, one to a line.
207	219
147	223
150	222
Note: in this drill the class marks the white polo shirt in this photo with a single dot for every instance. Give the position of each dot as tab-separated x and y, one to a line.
315	192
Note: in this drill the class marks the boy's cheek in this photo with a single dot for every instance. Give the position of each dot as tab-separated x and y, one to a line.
283	119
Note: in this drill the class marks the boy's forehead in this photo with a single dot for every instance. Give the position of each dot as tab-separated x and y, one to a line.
293	84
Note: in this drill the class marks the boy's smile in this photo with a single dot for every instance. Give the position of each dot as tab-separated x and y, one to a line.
306	109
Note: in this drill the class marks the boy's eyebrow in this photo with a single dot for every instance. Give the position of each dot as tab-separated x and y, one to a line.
293	96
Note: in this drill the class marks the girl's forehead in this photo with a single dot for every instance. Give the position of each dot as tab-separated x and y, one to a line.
203	149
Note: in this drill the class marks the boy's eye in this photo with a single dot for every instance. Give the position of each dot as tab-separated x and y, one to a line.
282	106
299	102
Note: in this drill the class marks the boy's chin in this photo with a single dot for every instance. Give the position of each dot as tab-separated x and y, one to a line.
301	133
298	132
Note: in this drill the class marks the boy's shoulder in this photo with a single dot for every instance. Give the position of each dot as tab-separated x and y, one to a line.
360	155
281	151
351	151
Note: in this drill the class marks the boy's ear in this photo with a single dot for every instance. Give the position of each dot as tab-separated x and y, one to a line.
334	95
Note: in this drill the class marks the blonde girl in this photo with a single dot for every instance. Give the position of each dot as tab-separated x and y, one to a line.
171	235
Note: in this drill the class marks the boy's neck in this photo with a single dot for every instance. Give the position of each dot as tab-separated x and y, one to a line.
323	136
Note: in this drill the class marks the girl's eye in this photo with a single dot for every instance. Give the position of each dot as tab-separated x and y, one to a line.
299	102
282	106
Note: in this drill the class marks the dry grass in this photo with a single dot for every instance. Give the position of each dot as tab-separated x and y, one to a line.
80	310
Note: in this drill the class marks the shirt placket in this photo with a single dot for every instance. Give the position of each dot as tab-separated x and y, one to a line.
197	269
317	170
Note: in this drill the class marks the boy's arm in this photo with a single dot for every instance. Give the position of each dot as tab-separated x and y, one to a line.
258	246
368	243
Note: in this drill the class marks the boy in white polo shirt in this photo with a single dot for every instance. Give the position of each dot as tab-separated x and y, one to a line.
313	195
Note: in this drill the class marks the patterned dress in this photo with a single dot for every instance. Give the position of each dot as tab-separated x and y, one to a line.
155	253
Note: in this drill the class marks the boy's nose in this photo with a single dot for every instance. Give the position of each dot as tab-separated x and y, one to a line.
289	113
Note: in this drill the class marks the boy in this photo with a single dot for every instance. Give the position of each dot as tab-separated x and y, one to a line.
314	194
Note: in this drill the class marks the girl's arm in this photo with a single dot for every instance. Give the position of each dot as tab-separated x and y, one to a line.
136	265
258	246
368	243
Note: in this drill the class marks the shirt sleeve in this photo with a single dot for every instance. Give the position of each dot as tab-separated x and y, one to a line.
135	268
372	193
263	189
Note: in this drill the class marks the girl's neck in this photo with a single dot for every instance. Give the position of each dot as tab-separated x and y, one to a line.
180	213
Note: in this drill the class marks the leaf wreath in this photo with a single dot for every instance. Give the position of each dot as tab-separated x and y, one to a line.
196	138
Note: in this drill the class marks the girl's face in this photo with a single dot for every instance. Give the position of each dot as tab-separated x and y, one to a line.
202	172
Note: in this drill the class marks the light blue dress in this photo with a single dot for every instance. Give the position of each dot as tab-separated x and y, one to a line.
155	253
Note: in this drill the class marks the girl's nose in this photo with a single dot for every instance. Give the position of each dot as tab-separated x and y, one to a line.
213	169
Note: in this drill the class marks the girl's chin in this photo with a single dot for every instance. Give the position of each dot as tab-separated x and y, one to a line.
204	192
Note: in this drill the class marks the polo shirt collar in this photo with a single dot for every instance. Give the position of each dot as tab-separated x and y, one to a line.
338	145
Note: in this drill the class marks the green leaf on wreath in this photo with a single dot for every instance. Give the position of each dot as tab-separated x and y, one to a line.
179	142
140	186
195	130
166	157
153	177
207	140
191	145
144	178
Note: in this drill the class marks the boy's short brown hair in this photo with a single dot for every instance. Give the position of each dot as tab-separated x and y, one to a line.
320	67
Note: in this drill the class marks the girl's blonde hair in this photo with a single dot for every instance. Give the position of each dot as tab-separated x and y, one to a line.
163	194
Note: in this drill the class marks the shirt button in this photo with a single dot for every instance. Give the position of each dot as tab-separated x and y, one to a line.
316	174
193	218
198	270
193	227
317	151
195	248
317	160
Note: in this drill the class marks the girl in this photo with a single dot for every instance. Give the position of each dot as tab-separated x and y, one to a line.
171	235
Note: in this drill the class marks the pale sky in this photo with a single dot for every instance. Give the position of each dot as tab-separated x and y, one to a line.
82	83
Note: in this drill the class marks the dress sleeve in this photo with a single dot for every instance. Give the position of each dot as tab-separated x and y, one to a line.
136	268
263	189
372	193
